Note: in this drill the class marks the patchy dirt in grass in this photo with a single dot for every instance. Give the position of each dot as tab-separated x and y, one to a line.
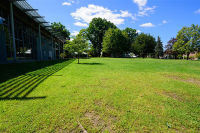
97	102
195	81
104	79
94	118
62	131
189	80
100	104
173	95
99	123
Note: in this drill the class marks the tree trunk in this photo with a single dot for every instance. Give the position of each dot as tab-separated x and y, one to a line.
78	59
99	52
175	56
188	55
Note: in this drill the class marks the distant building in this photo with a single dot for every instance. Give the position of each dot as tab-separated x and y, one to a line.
192	54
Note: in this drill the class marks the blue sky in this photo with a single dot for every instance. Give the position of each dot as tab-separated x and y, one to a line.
162	18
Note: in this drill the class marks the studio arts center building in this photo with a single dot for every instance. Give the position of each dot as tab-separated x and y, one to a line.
25	35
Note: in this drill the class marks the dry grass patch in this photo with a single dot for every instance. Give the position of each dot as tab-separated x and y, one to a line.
98	123
173	95
188	79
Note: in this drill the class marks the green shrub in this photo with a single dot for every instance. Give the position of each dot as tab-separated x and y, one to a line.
197	55
179	56
191	57
61	55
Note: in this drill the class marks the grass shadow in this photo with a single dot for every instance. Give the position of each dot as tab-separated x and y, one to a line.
91	63
22	80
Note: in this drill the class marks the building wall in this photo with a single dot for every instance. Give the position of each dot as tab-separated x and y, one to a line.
35	42
3	53
26	37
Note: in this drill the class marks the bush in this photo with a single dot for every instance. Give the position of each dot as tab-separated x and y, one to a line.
179	56
191	57
61	55
197	55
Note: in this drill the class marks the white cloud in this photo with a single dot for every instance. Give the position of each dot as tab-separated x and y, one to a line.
74	33
146	11
147	25
140	3
138	31
72	1
66	3
164	22
86	14
197	12
81	24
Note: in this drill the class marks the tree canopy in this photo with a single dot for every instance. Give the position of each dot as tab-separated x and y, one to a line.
115	41
61	28
144	44
132	34
95	32
169	47
159	48
188	39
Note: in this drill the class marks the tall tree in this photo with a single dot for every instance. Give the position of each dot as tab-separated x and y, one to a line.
159	48
188	39
95	32
61	28
115	41
144	44
83	34
132	34
169	47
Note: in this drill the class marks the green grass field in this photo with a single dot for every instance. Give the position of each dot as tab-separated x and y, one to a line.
100	95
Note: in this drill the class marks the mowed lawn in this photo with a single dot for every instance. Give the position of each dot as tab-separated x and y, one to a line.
100	95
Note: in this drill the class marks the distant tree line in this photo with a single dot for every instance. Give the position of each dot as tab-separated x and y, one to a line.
106	40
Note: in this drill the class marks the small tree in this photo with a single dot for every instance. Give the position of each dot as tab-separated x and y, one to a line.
159	48
169	47
78	44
